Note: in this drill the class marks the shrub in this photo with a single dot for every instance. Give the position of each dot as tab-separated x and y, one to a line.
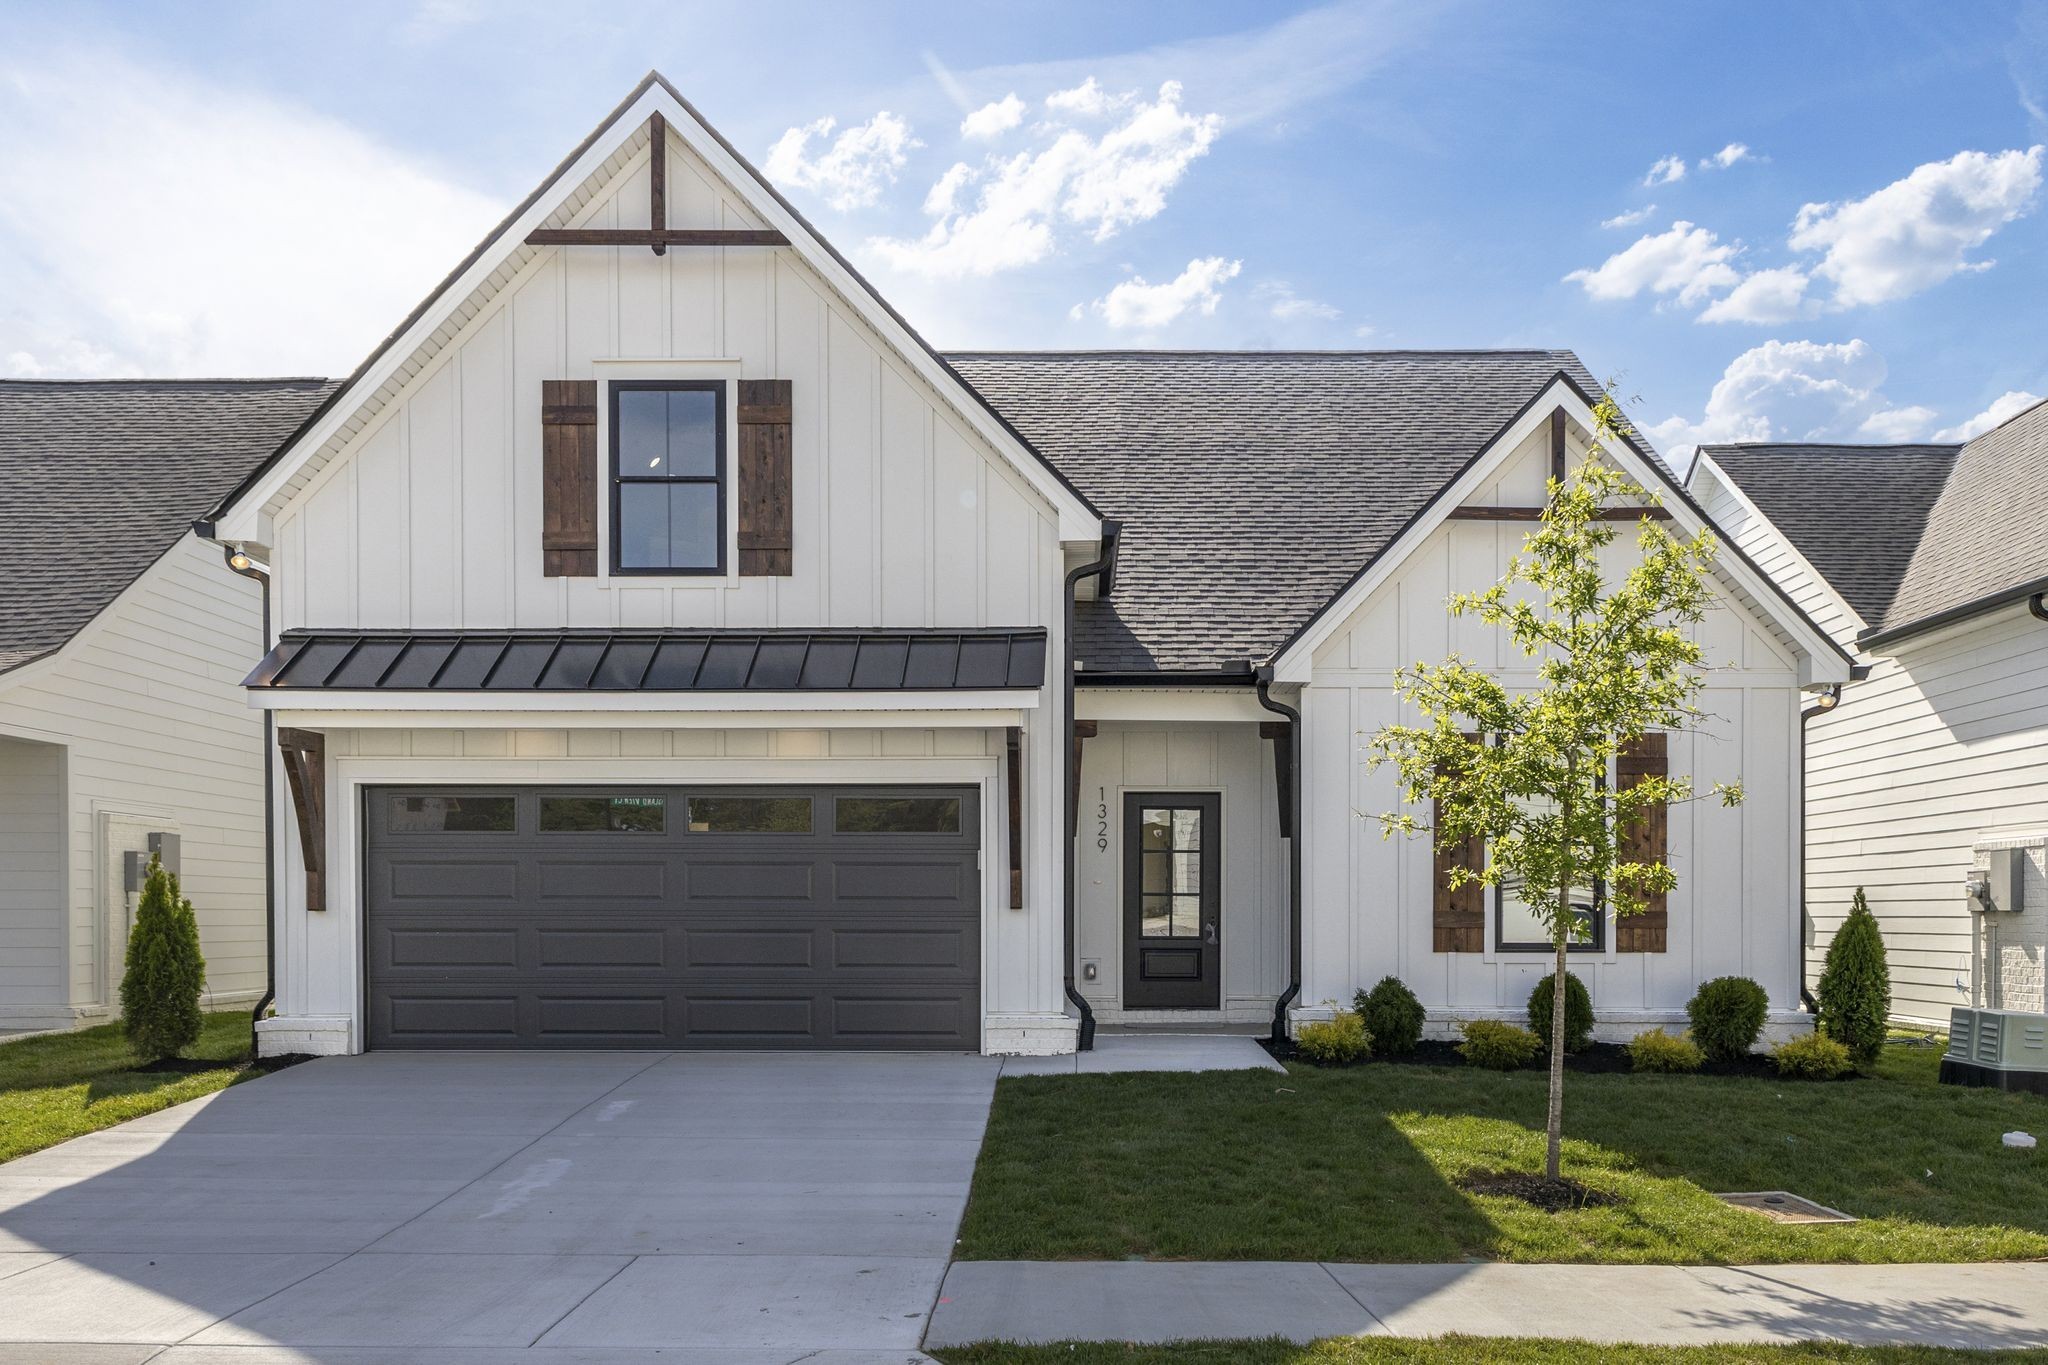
164	975
1855	992
1814	1057
1578	1012
1727	1014
1393	1016
1340	1038
1657	1050
1498	1045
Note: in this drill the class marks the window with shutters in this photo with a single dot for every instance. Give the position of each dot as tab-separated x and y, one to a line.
668	472
1519	927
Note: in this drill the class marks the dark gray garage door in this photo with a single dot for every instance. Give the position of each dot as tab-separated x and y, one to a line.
673	917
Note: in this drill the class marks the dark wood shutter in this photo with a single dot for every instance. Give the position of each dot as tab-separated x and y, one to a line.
1643	841
1458	916
765	476
568	480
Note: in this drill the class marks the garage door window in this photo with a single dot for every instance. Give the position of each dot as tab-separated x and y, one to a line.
453	814
896	815
603	814
750	815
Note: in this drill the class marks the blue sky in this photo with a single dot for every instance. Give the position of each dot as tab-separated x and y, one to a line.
1851	247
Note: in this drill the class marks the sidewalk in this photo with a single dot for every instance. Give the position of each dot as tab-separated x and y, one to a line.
1995	1306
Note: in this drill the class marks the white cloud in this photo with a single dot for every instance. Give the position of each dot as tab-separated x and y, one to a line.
1687	261
1777	295
993	119
1630	218
1088	100
1916	232
1136	304
1287	306
853	170
1796	391
1665	170
274	239
2007	405
1099	185
1727	156
433	20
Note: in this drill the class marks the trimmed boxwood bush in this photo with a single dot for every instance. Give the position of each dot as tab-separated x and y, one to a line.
1855	991
1814	1057
1498	1045
1727	1014
1578	1012
165	973
1668	1053
1393	1016
1340	1038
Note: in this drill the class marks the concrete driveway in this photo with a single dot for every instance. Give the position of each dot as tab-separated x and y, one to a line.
552	1207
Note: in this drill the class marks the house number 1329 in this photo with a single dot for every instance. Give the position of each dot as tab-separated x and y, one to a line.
1102	819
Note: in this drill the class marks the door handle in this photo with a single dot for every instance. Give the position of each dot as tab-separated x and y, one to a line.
1209	933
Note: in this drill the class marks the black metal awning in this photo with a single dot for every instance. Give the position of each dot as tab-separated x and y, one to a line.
654	661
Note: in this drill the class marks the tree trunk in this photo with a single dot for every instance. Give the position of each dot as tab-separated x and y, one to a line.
1553	1153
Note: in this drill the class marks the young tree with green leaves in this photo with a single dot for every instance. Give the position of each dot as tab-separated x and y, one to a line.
165	972
1611	662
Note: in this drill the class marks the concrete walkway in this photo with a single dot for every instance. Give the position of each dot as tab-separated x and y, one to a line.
1114	1052
474	1207
1998	1306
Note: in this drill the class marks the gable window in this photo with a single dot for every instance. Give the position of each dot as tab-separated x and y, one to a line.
668	477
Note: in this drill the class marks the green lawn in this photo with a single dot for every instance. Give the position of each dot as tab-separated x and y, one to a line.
63	1084
1359	1164
1460	1351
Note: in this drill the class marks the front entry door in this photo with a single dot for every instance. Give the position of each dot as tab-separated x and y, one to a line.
1173	909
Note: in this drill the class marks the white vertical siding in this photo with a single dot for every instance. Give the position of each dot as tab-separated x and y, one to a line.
1231	759
1368	900
430	516
149	706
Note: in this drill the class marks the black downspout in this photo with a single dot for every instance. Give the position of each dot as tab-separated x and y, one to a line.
2036	605
1069	789
248	569
1828	701
1293	992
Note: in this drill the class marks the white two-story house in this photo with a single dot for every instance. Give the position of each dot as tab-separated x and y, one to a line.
673	650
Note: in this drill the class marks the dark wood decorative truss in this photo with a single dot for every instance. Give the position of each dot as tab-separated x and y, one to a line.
1557	471
305	769
657	235
1013	773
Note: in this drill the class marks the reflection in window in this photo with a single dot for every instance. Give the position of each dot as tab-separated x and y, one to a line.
896	815
668	467
1169	872
453	814
603	814
1520	925
750	815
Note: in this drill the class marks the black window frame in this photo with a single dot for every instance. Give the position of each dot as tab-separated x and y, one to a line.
721	463
1597	943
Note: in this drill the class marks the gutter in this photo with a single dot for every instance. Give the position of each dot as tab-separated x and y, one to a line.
1293	717
2034	592
1102	566
247	569
1826	702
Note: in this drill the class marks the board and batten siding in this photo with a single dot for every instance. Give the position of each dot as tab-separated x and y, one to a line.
430	517
1230	758
1368	899
145	715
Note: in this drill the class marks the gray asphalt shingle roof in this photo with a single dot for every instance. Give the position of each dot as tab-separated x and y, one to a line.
1855	512
99	477
1252	485
1988	532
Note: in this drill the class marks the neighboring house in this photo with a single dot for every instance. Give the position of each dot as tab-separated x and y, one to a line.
1929	561
123	641
675	651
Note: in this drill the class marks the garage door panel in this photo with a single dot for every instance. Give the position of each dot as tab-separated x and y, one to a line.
677	938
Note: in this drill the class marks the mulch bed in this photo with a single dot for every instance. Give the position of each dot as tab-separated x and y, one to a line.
1594	1060
1552	1196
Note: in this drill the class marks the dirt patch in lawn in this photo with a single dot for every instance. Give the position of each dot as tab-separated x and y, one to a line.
1552	1196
